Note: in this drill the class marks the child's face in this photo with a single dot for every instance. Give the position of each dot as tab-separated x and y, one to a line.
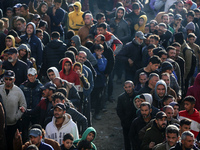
43	8
76	68
98	52
141	22
169	101
138	102
90	136
142	100
191	40
67	66
9	43
146	30
68	143
9	13
71	9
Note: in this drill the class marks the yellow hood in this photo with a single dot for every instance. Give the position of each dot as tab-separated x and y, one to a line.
79	6
13	40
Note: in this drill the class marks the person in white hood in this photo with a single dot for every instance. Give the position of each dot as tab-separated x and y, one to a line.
61	124
52	73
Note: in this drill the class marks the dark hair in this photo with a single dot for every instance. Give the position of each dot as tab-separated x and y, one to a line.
151	46
84	144
68	136
164	16
99	16
190	99
32	147
176	44
58	95
49	70
145	104
43	24
190	13
155	37
102	25
55	35
99	47
135	6
39	8
57	1
162	52
196	10
70	34
170	48
70	54
155	60
62	90
167	97
73	49
185	121
153	75
25	6
39	31
162	25
191	35
90	36
21	19
172	129
102	37
9	8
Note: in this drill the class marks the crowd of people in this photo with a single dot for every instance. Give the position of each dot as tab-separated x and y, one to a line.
58	62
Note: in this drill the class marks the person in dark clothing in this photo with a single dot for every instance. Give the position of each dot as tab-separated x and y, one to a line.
43	25
138	123
16	65
132	58
34	42
2	127
53	52
126	110
2	36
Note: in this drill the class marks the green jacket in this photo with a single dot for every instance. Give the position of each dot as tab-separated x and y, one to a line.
87	131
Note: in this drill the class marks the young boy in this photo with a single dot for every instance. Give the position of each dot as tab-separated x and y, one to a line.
68	142
168	99
100	80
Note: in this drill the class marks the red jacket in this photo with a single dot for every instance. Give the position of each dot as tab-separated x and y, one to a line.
195	91
195	117
72	77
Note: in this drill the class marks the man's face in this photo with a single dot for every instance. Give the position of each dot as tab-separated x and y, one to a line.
166	79
101	30
152	27
187	6
179	7
22	52
120	14
68	143
103	19
191	40
178	49
23	12
197	15
169	112
145	111
40	35
98	40
140	41
8	82
161	30
51	75
9	43
150	52
161	90
73	43
12	57
184	128
32	78
136	11
171	138
163	57
67	66
17	11
188	143
57	5
165	20
57	100
9	13
161	123
190	18
29	29
35	140
172	54
153	41
154	66
143	79
20	26
81	58
128	88
58	113
153	81
188	106
171	19
177	21
88	20
176	110
45	93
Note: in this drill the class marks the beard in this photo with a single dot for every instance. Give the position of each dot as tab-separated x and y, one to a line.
10	59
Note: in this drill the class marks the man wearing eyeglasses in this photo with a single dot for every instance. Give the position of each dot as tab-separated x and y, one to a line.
14	103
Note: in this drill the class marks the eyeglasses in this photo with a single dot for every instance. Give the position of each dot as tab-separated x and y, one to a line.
10	79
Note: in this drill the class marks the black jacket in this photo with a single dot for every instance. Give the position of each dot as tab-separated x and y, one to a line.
20	70
53	52
145	89
178	146
126	110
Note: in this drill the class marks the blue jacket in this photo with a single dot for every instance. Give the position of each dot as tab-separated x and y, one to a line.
36	45
44	146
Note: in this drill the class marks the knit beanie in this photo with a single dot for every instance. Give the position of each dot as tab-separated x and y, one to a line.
190	26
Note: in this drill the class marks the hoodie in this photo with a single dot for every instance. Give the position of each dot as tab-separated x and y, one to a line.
158	101
194	90
79	47
84	136
13	41
142	27
68	126
35	45
76	19
55	70
137	97
72	77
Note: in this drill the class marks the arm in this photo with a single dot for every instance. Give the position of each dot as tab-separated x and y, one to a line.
91	58
127	33
123	54
85	82
73	95
22	103
188	62
102	62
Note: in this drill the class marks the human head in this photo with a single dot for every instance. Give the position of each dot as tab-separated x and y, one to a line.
59	110
30	28
81	57
100	17
68	140
98	49
162	28
171	18
169	111
24	10
120	12
58	97
136	8
10	41
32	74
48	89
100	39
21	24
6	22
197	13
189	103
176	107
191	38
88	19
1	24
58	82
145	109
187	140
161	89
163	55
153	79
9	79
166	77
190	16
12	55
167	100
167	67
52	73
36	19
102	28
139	37
39	34
177	19
55	35
165	19
185	125
161	120
172	135
154	39
152	25
190	28
178	48
42	9
150	48
35	136
143	78
179	6
129	86
154	63
16	9
57	3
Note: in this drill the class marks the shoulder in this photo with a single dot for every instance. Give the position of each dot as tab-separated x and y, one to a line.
46	146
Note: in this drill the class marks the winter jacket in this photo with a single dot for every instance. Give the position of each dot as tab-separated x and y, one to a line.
84	136
76	19
195	117
145	89
12	103
53	52
20	70
72	77
2	128
194	90
68	126
36	45
79	47
32	93
178	146
122	30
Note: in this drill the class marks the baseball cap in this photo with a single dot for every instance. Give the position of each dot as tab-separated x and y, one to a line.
160	115
49	86
32	71
9	74
18	5
35	132
36	16
12	50
140	35
60	106
178	16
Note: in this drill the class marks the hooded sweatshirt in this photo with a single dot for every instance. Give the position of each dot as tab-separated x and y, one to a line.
142	27
35	44
84	136
79	47
55	70
75	18
195	90
137	97
158	101
13	45
72	77
68	126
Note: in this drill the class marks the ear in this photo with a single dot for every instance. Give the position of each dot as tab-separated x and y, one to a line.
36	75
151	110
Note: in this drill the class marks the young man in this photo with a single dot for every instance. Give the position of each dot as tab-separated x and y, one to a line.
142	81
61	124
23	52
191	113
185	125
